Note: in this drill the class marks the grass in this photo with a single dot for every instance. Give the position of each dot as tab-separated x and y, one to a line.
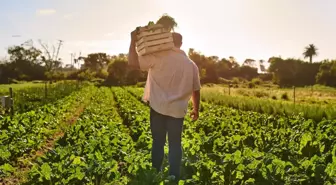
269	106
4	88
274	101
311	95
23	85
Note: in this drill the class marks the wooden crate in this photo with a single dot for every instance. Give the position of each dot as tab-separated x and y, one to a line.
153	39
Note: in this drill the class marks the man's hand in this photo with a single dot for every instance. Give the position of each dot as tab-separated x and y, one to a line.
194	114
196	100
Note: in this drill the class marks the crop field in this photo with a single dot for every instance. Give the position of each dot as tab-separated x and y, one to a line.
101	135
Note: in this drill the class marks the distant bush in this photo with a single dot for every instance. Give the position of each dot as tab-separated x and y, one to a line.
224	81
37	81
266	77
251	85
97	81
13	81
284	96
235	80
209	85
102	74
242	92
257	81
141	84
270	85
261	94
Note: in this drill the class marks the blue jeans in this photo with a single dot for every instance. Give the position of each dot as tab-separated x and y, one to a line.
161	125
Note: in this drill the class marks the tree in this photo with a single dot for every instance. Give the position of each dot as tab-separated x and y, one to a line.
206	65
20	55
86	75
247	72
310	51
327	73
262	66
24	63
249	62
233	61
117	71
289	72
50	59
95	61
223	68
283	71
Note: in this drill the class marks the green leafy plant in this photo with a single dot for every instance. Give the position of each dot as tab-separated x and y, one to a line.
167	22
24	133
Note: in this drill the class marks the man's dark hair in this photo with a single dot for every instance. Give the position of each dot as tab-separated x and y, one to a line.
177	39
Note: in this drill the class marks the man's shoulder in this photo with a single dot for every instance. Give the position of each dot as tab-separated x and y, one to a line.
189	61
192	62
181	54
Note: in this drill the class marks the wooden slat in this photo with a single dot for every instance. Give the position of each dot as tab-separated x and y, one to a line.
154	37
148	33
153	49
155	42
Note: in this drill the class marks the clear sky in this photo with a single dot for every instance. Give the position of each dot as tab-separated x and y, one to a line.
255	29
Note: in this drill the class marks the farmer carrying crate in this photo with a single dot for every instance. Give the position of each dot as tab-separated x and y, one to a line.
172	80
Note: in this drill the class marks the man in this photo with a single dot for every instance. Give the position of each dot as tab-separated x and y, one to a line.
172	79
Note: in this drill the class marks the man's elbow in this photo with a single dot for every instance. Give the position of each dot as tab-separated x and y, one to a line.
133	65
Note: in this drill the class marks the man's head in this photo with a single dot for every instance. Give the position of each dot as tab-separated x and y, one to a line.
177	39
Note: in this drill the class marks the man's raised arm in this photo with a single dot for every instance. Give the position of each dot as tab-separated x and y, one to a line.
138	62
133	60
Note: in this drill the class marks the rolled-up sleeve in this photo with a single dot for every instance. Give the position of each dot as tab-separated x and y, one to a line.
196	81
146	62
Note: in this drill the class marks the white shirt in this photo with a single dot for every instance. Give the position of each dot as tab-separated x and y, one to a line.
172	78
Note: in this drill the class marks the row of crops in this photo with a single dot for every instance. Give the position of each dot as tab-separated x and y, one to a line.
100	148
25	133
110	144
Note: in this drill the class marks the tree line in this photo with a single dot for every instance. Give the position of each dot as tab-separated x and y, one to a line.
28	63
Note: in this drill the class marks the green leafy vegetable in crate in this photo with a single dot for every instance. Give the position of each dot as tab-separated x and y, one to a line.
150	23
167	22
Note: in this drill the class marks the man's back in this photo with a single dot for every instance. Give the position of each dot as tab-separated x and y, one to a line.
172	77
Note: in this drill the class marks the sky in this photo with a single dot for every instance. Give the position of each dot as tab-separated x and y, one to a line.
257	29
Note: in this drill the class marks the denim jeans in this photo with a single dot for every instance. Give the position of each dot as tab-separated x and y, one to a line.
161	125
